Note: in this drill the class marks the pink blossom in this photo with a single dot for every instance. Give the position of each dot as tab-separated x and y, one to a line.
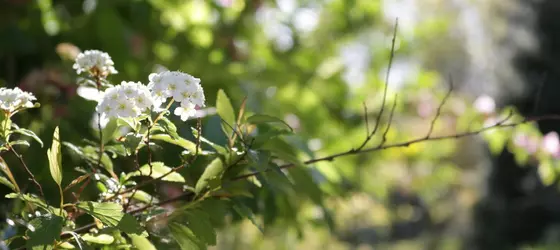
551	144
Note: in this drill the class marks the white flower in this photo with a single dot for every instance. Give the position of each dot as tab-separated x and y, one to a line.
129	99
14	99
186	110
94	62
485	104
180	86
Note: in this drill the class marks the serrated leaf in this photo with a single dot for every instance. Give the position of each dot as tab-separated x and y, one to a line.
245	212
141	243
29	133
181	142
185	238
213	171
261	118
109	213
4	181
102	239
226	112
55	158
47	229
130	225
158	170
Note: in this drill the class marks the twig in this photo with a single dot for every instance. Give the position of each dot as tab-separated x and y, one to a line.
384	137
27	170
388	73
438	111
500	124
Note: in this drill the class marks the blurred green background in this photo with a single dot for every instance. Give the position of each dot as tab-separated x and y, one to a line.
313	63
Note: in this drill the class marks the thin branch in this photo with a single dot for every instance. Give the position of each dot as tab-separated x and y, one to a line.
438	111
388	73
384	137
500	124
366	118
27	170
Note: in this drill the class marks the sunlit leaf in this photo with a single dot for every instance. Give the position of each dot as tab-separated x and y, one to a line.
55	158
226	112
29	133
108	212
109	130
158	169
186	144
141	243
213	171
103	239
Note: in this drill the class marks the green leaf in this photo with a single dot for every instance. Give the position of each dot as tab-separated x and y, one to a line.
131	142
35	201
20	142
226	112
103	239
186	144
169	127
144	197
212	172
200	224
109	131
66	245
4	181
546	172
263	138
55	158
185	237
29	133
109	213
106	162
158	170
260	118
130	225
301	176
245	212
47	229
141	243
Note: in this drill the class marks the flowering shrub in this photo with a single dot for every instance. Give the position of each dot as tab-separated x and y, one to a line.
133	120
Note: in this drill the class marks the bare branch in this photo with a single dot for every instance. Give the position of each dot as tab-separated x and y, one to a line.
438	112
384	138
389	66
31	176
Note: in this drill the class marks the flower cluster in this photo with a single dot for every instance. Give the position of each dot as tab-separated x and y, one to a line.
95	62
129	99
14	99
182	87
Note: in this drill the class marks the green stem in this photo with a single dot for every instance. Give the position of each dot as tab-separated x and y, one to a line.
61	200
